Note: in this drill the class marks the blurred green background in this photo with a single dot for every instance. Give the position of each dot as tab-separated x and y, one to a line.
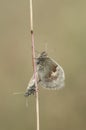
61	24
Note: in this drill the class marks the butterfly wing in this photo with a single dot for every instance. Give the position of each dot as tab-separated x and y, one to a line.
31	86
55	76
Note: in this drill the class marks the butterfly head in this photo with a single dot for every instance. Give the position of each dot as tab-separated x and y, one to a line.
41	58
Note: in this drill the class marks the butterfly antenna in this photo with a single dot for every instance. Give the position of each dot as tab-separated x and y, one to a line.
27	103
18	93
46	47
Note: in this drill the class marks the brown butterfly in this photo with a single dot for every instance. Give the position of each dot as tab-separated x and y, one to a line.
49	74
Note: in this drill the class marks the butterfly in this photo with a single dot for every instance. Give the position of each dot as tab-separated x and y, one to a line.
50	74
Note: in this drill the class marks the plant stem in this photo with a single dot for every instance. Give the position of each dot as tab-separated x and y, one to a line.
34	64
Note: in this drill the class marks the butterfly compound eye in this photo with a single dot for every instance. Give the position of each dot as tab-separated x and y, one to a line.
37	62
